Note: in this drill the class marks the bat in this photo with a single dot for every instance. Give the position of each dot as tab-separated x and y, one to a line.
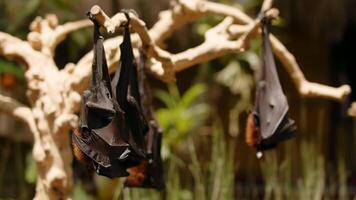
133	124
111	133
149	174
269	122
98	112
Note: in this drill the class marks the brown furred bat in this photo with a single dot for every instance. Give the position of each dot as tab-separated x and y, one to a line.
269	122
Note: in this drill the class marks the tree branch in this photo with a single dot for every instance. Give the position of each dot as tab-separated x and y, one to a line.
14	48
306	88
229	38
112	24
14	108
46	34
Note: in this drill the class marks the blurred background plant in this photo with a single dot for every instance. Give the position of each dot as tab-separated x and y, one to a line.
203	115
181	117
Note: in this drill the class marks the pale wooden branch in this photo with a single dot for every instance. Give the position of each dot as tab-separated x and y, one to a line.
352	110
139	26
163	65
203	8
267	4
15	108
61	32
53	105
22	112
306	88
46	34
14	48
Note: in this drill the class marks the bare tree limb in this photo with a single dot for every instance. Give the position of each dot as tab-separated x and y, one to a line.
267	4
46	34
62	31
185	11
14	48
14	108
112	24
306	88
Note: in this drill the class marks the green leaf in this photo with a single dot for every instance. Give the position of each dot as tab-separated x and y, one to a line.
192	93
166	98
31	169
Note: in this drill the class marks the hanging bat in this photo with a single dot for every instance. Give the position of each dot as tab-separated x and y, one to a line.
97	120
269	123
110	137
134	126
149	174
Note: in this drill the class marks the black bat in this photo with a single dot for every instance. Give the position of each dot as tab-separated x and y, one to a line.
269	123
98	113
135	126
111	132
149	174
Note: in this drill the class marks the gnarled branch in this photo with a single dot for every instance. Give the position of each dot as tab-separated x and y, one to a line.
14	108
22	112
14	48
46	34
218	41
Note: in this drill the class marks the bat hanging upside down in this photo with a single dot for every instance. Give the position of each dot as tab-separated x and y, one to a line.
114	136
268	123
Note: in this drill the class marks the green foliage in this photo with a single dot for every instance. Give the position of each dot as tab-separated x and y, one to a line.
79	193
182	114
211	180
215	179
31	169
238	77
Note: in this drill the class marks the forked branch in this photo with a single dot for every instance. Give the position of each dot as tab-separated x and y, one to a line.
16	109
46	34
230	36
